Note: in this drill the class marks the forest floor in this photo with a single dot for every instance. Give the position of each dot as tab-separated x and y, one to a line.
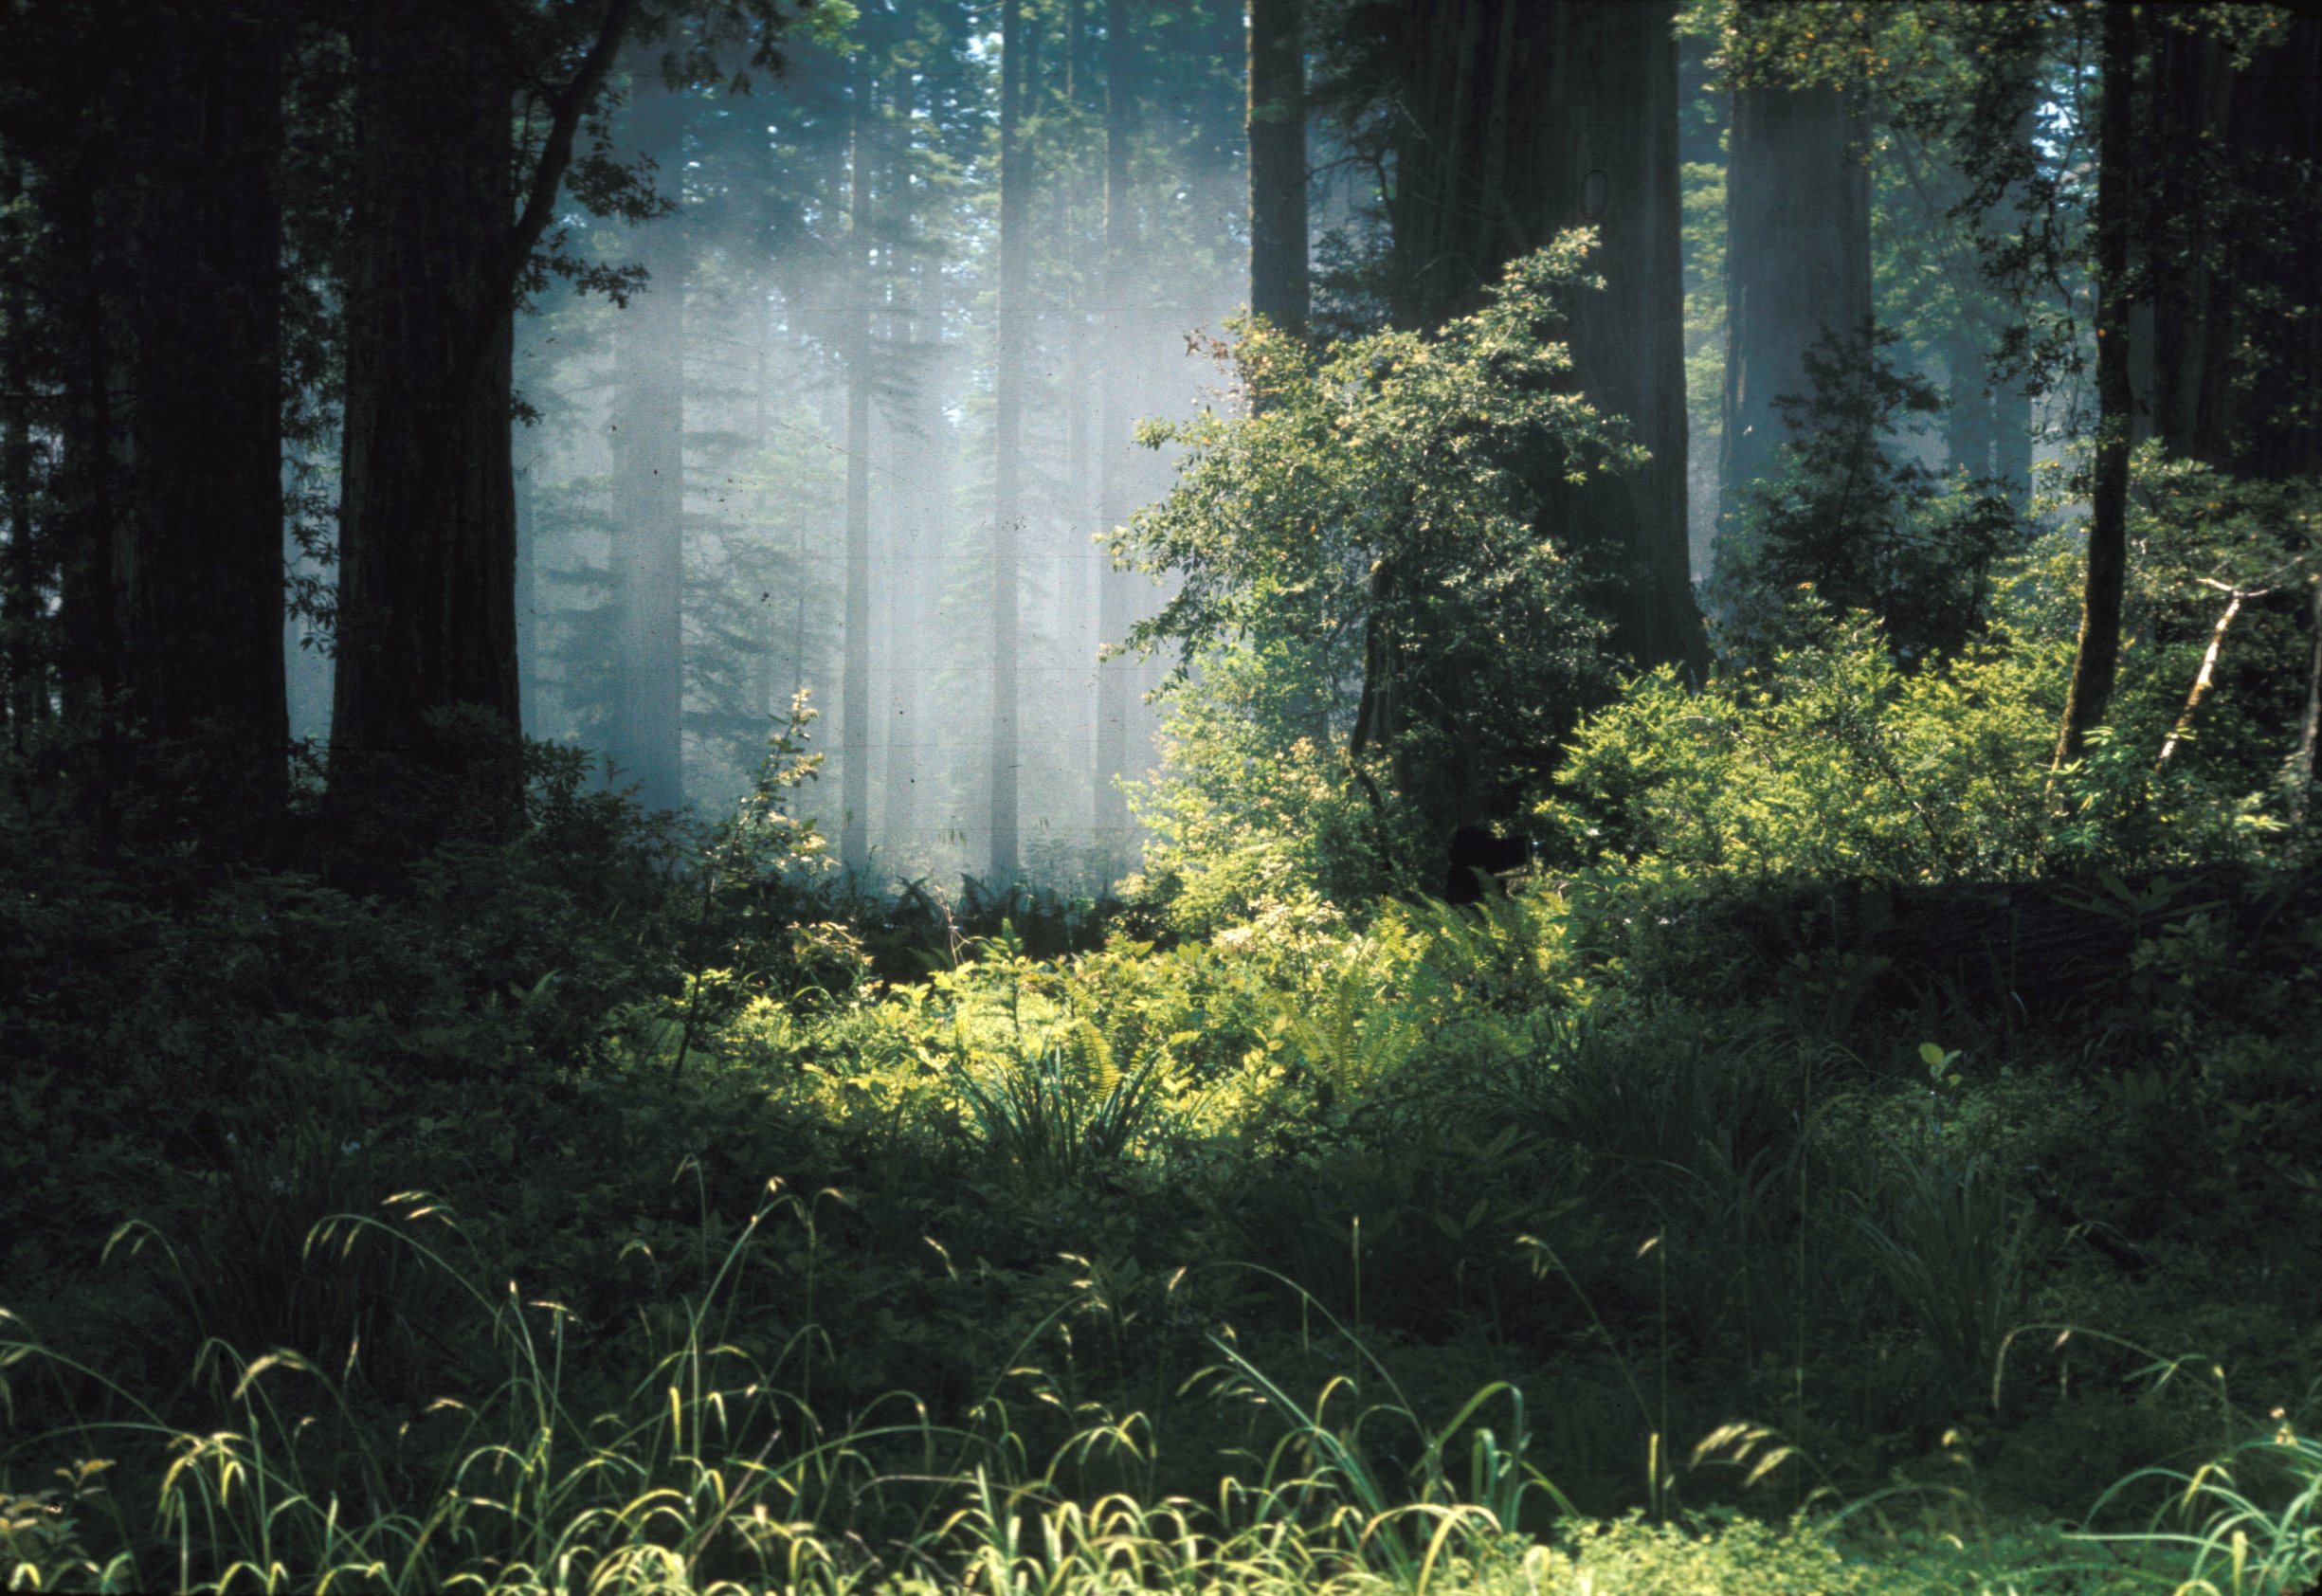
534	1226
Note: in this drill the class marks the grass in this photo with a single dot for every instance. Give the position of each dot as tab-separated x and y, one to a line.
708	1475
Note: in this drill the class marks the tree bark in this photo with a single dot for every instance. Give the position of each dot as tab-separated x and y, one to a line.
648	459
427	683
1604	153
1279	284
2310	731
200	572
2234	251
2097	658
1007	442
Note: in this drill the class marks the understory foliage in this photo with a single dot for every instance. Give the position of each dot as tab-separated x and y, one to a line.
1813	1176
1851	523
1368	607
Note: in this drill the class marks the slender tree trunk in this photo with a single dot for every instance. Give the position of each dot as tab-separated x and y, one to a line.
855	685
647	745
2095	660
1114	589
1007	441
200	568
1279	286
2309	731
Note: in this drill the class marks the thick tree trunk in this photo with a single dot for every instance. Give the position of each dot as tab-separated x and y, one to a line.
1798	262
855	681
428	500
200	575
427	683
2095	660
1279	286
2234	252
1007	442
648	452
1526	120
1604	153
1114	589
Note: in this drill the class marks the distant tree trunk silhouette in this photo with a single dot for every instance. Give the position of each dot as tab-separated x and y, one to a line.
1007	441
1115	591
855	675
647	745
1798	262
1279	286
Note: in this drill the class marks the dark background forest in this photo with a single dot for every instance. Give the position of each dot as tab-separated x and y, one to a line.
1160	793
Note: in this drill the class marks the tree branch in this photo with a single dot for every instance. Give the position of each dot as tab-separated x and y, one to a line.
566	109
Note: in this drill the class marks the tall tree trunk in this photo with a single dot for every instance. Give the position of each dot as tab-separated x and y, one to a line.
1525	120
2096	659
648	744
1279	285
2310	729
855	682
427	680
201	573
1604	153
1798	262
1970	429
1114	591
1007	441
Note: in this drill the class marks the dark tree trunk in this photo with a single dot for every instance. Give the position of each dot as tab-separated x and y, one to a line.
1007	441
648	744
1525	120
855	682
427	680
201	570
2310	729
1114	591
2096	659
1279	285
2234	252
1603	154
1798	262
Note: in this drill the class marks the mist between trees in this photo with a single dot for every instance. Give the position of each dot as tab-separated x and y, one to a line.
828	331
